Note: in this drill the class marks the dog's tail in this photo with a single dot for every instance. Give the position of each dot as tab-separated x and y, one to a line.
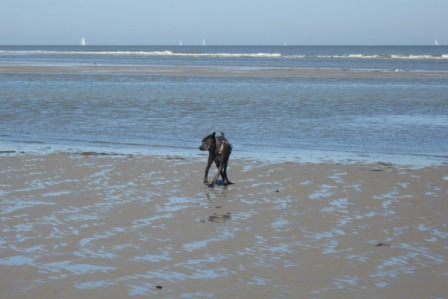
225	143
224	139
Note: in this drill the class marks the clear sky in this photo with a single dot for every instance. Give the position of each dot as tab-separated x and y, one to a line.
224	22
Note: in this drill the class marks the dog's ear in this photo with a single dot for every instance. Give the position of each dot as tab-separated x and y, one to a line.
213	136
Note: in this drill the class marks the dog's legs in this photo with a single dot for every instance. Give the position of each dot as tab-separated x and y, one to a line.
207	168
215	178
226	179
223	174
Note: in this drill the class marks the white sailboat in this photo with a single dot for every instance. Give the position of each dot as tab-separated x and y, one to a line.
203	42
436	43
83	42
180	43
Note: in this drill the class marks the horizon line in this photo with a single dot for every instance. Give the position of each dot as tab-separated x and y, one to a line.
227	45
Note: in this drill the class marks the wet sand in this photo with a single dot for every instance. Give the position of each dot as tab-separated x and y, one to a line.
90	225
215	71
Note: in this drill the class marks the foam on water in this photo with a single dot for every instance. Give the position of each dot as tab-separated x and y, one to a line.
193	54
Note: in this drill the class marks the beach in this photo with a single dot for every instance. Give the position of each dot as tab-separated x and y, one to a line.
339	166
104	225
223	71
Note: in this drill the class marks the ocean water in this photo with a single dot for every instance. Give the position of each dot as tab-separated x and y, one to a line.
401	119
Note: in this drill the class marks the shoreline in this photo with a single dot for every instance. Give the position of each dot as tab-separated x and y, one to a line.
90	224
266	156
11	68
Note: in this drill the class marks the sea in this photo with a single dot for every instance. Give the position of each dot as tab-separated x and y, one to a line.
383	117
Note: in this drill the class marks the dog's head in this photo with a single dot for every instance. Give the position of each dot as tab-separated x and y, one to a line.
208	143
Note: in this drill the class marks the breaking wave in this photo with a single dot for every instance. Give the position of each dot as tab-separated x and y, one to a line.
228	55
148	53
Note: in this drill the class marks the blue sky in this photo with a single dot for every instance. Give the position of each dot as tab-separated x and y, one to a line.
224	22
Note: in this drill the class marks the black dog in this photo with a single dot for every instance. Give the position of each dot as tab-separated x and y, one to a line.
219	150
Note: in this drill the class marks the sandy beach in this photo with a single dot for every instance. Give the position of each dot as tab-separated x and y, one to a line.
92	225
216	71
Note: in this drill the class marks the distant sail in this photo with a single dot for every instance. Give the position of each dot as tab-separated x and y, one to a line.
180	43
436	42
83	42
203	42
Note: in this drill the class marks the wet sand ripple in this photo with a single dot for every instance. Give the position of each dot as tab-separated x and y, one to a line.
116	226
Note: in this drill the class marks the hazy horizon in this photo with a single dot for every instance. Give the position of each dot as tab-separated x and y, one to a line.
247	22
217	45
